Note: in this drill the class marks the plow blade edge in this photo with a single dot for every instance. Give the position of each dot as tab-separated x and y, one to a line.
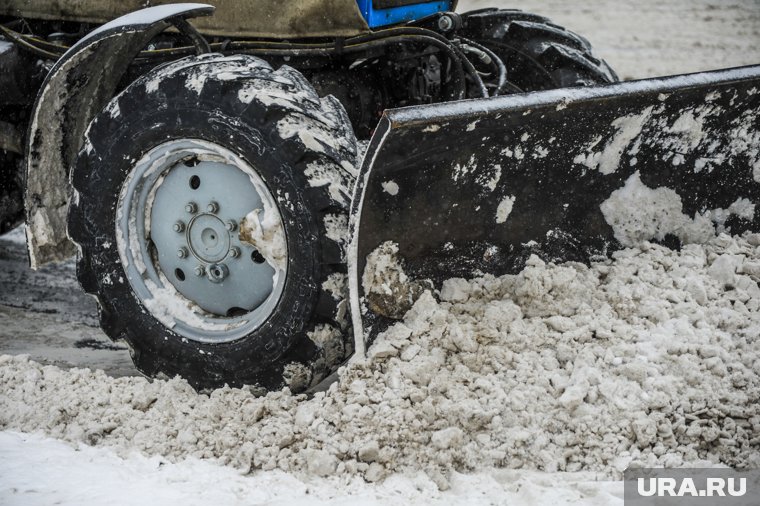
474	187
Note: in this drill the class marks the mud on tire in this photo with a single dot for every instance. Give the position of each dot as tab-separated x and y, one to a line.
304	151
539	54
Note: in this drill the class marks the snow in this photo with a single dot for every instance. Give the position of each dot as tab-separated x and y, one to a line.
84	476
649	38
638	213
321	174
386	285
505	209
17	235
646	359
267	235
390	187
608	160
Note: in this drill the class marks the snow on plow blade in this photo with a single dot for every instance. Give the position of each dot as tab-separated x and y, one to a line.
478	186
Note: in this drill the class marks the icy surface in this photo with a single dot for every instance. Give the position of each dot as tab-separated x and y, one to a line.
63	475
647	359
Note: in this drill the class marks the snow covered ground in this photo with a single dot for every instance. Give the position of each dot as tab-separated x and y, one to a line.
649	360
650	38
40	471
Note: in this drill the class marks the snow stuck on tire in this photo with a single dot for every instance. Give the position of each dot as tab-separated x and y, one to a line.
647	359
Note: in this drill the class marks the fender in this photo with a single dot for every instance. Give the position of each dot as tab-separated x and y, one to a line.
78	86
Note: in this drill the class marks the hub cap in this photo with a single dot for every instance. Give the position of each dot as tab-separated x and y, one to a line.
179	240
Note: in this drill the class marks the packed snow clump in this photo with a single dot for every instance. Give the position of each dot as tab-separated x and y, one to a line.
388	290
650	358
267	235
638	213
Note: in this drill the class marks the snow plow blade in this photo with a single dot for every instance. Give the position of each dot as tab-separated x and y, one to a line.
569	175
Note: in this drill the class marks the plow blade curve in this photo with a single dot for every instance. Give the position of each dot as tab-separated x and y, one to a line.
459	189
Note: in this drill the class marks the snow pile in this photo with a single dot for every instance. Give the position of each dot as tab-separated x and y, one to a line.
651	358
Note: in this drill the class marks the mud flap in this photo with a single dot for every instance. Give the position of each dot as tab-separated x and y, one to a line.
78	86
571	174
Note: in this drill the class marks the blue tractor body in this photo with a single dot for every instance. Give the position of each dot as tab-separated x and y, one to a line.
380	13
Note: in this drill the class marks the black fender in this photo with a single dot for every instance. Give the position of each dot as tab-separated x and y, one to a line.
79	86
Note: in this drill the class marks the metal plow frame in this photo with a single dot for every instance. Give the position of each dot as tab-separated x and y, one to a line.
571	174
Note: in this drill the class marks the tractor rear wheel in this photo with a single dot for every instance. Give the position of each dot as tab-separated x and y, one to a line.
538	54
210	208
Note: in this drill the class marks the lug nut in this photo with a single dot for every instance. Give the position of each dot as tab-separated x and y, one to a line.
234	252
200	271
182	252
212	207
191	207
217	273
231	226
179	227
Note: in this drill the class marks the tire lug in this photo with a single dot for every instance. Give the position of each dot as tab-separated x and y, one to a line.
182	252
200	271
231	226
179	227
234	252
191	208
212	207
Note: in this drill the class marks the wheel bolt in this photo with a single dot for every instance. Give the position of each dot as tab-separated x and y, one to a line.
212	207
191	208
182	252
217	273
231	225
234	252
200	271
179	227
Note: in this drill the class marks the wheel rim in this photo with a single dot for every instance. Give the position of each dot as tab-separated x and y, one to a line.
178	229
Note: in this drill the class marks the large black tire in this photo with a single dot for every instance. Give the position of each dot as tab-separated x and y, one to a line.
538	54
306	336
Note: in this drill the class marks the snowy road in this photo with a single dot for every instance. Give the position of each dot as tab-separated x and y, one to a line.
46	315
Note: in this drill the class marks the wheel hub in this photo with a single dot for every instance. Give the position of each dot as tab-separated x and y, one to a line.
182	206
212	195
208	238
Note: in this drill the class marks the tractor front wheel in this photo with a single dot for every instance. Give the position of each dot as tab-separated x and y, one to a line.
210	208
